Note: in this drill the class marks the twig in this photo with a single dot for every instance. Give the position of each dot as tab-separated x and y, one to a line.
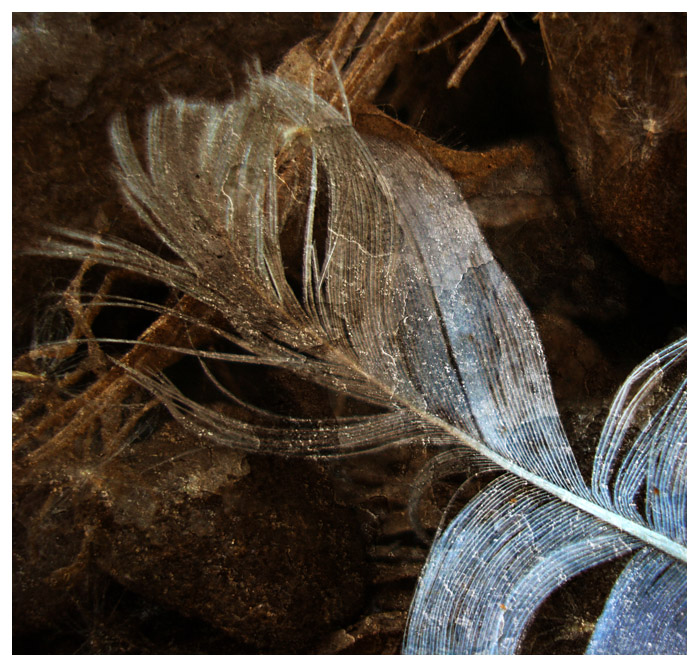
392	36
468	55
441	40
75	417
341	41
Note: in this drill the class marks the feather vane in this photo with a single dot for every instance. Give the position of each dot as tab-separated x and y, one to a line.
401	303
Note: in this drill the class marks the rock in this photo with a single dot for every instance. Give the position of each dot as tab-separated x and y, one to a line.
618	84
63	48
255	546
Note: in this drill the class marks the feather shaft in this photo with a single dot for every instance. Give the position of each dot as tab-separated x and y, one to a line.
643	533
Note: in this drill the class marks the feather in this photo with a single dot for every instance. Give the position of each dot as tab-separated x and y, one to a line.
399	302
513	544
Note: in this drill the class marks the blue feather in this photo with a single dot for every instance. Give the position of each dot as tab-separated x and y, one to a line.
407	309
513	544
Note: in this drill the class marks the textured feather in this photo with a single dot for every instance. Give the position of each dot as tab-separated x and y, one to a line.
513	544
406	308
